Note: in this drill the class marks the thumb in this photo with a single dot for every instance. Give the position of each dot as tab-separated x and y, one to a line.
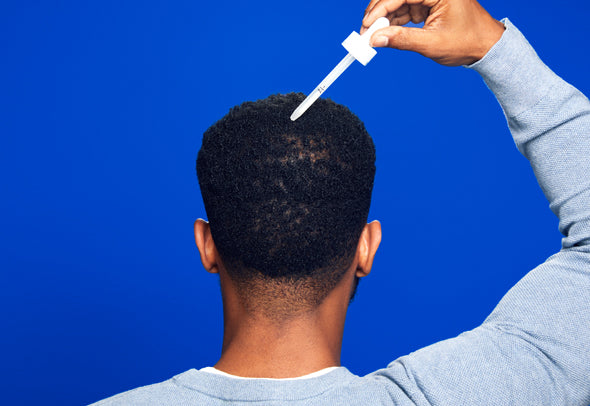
405	38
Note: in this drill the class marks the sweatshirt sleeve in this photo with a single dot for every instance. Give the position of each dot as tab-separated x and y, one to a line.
534	348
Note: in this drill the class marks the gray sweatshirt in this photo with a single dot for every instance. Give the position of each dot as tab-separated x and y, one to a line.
534	349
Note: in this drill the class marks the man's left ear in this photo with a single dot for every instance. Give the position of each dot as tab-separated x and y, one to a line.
367	247
206	246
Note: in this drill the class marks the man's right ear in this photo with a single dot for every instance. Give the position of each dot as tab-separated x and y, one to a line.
206	246
367	247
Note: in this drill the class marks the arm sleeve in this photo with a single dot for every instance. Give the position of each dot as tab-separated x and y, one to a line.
534	348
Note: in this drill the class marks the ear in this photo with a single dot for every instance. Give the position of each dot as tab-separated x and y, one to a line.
367	247
206	246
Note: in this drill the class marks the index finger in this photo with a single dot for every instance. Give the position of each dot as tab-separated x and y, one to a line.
380	8
369	7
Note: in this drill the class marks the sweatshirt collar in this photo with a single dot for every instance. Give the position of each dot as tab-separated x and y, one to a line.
261	389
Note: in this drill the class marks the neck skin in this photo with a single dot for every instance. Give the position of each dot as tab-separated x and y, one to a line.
255	346
258	347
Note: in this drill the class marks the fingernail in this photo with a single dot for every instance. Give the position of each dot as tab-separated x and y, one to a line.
380	41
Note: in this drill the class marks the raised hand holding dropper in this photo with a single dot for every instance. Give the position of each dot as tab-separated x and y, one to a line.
455	32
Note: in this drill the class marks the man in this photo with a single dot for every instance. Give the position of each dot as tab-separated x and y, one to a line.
288	203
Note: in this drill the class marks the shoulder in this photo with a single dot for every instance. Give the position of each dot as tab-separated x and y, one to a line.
169	392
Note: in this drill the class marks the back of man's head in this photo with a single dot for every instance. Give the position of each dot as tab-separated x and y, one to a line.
286	201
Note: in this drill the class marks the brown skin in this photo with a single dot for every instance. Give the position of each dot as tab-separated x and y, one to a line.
299	346
456	32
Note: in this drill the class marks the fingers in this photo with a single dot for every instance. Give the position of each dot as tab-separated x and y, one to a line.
405	38
403	20
418	9
370	6
400	16
406	13
381	8
418	13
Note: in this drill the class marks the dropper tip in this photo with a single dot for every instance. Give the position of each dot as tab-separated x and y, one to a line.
296	114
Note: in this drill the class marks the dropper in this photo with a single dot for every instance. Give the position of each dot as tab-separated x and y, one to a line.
358	48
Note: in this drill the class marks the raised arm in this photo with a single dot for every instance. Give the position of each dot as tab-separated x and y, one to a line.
535	346
548	312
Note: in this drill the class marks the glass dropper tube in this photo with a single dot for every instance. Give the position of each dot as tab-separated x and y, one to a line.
321	88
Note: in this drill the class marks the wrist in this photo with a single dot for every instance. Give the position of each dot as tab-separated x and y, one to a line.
489	37
513	71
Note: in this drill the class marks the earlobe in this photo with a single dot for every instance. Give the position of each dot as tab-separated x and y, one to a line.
206	246
367	247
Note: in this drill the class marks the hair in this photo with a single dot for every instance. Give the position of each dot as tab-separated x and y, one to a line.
286	201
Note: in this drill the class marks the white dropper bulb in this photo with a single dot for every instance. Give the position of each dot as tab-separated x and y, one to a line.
358	48
358	45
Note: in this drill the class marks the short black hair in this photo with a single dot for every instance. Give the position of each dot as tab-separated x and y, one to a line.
286	201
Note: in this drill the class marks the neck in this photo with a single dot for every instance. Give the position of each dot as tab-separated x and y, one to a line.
255	346
259	349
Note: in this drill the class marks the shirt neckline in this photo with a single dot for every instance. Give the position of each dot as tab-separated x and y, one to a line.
213	370
264	389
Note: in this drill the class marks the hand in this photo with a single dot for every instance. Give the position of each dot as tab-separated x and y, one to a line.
455	32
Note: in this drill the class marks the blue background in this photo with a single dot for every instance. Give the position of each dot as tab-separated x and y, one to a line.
103	105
